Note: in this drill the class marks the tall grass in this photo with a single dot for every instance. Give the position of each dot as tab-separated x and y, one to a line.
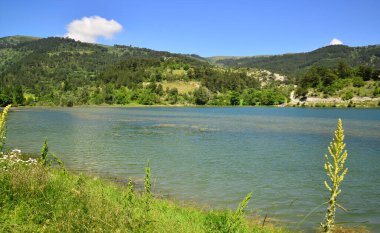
43	199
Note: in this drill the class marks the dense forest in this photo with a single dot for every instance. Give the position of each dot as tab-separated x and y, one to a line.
63	72
342	80
298	63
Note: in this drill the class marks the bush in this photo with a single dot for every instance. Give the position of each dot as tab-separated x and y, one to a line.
172	95
250	97
376	92
234	98
301	91
357	82
201	96
5	100
146	97
271	97
348	95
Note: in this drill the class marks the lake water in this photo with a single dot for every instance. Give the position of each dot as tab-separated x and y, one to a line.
215	156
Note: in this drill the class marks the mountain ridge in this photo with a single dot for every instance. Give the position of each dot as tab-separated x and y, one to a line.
62	71
295	63
290	64
11	41
282	54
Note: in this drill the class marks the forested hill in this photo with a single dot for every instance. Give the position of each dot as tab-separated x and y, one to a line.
291	64
62	71
28	60
75	50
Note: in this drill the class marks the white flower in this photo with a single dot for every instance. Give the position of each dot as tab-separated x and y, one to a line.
18	151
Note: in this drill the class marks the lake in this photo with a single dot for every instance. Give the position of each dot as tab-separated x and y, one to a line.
215	156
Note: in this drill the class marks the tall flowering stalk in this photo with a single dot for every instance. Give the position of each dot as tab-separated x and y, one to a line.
3	119
44	153
147	181
236	219
335	171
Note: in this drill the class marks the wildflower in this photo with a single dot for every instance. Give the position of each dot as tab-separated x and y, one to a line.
18	151
13	159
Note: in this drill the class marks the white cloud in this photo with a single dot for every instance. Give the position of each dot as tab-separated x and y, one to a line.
88	29
336	42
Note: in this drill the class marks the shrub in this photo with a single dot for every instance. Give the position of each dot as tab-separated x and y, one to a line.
5	100
146	97
348	95
376	92
201	96
234	98
301	91
172	95
357	82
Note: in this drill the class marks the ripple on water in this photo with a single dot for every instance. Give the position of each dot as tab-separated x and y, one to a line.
215	156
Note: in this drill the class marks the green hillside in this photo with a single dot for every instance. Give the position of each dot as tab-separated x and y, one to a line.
62	71
291	64
11	41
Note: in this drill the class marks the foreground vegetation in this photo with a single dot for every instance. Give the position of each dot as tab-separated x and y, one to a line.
36	197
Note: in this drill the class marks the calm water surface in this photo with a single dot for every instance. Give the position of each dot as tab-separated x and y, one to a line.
215	156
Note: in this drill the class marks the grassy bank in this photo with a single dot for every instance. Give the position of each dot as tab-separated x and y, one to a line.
37	198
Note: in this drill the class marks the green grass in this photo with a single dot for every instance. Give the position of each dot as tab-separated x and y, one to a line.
36	198
182	86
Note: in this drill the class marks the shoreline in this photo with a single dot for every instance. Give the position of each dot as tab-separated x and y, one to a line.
162	195
251	216
300	104
334	102
309	102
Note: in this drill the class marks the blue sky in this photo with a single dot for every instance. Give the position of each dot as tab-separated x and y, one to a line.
205	27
